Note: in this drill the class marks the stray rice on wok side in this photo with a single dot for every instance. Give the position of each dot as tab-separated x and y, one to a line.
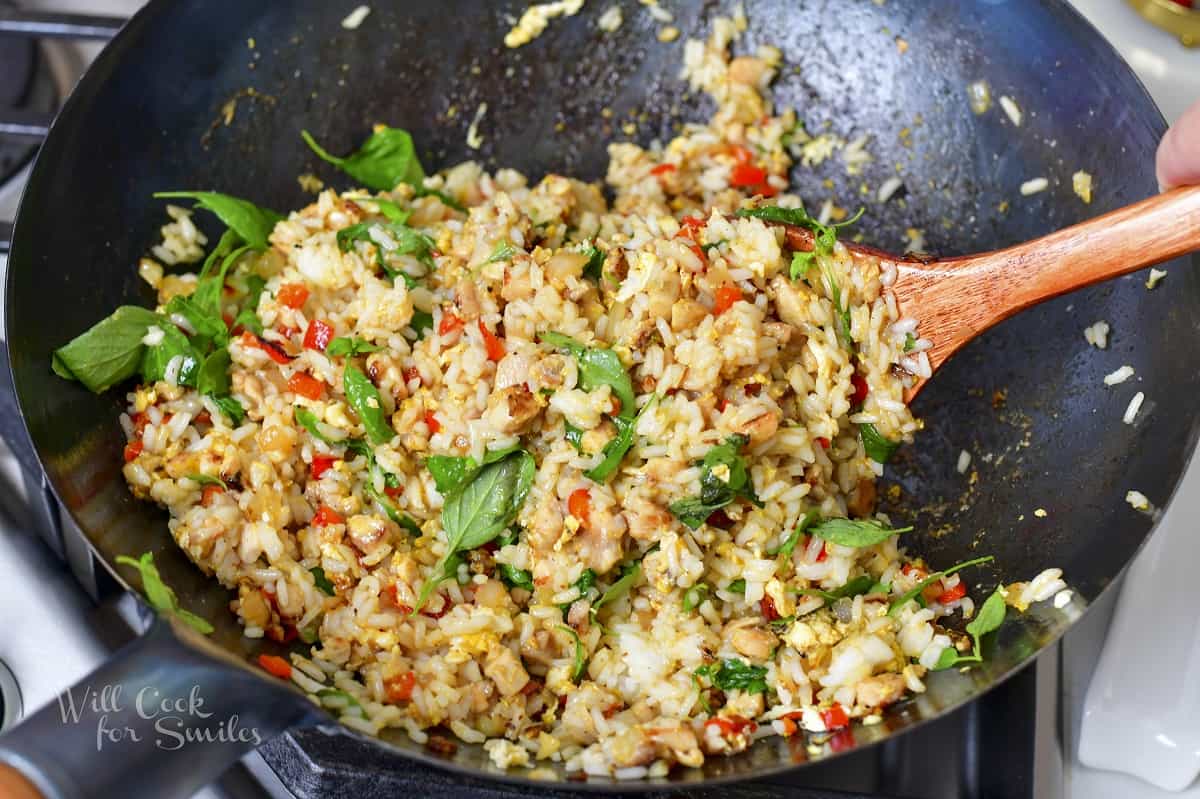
583	483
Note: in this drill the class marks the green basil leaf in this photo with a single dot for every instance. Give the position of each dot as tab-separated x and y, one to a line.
916	590
857	533
159	594
491	501
514	577
389	507
385	160
789	544
213	377
878	448
724	478
483	508
910	341
735	675
253	223
364	399
321	581
156	359
503	251
447	200
350	346
110	352
421	323
407	240
340	702
586	580
862	584
694	596
951	657
231	408
209	325
450	472
579	667
387	208
738	586
206	479
990	617
573	435
620	588
615	450
598	366
308	420
594	268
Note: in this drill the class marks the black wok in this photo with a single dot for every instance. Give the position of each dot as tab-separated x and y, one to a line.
148	117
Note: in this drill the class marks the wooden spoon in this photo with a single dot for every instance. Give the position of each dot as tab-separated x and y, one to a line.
956	299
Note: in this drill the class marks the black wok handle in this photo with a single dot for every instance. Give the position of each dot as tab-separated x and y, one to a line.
99	741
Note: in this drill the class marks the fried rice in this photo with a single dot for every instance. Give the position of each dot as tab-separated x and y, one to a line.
600	631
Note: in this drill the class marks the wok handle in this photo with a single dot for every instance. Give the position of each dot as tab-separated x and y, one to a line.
162	718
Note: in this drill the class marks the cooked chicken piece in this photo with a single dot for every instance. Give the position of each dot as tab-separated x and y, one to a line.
677	740
760	428
747	70
686	314
466	300
517	285
510	410
549	372
598	543
539	648
513	370
562	265
861	501
880	690
754	642
505	669
631	747
790	300
366	532
646	519
546	525
780	331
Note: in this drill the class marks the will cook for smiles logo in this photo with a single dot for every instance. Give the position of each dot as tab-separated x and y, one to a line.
172	722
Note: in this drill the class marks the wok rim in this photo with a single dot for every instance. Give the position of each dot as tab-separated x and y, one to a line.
63	124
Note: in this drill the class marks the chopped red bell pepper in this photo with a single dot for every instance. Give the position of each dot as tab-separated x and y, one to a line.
767	606
293	295
251	340
320	465
861	390
399	687
494	346
835	717
725	297
326	515
306	385
747	175
953	594
579	504
209	492
663	169
275	666
133	449
318	335
449	324
432	423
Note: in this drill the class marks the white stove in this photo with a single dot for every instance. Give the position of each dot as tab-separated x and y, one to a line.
63	631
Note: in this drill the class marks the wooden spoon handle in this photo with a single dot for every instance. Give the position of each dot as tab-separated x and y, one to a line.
956	299
15	785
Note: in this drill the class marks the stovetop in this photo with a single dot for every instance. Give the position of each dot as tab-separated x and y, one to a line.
69	614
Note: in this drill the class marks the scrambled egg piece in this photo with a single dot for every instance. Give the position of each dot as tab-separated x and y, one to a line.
536	18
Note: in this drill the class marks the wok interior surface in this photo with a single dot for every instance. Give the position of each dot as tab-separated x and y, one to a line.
149	117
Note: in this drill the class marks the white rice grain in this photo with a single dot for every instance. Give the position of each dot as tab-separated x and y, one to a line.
1119	376
1135	405
964	462
355	18
1011	110
1096	334
1034	186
